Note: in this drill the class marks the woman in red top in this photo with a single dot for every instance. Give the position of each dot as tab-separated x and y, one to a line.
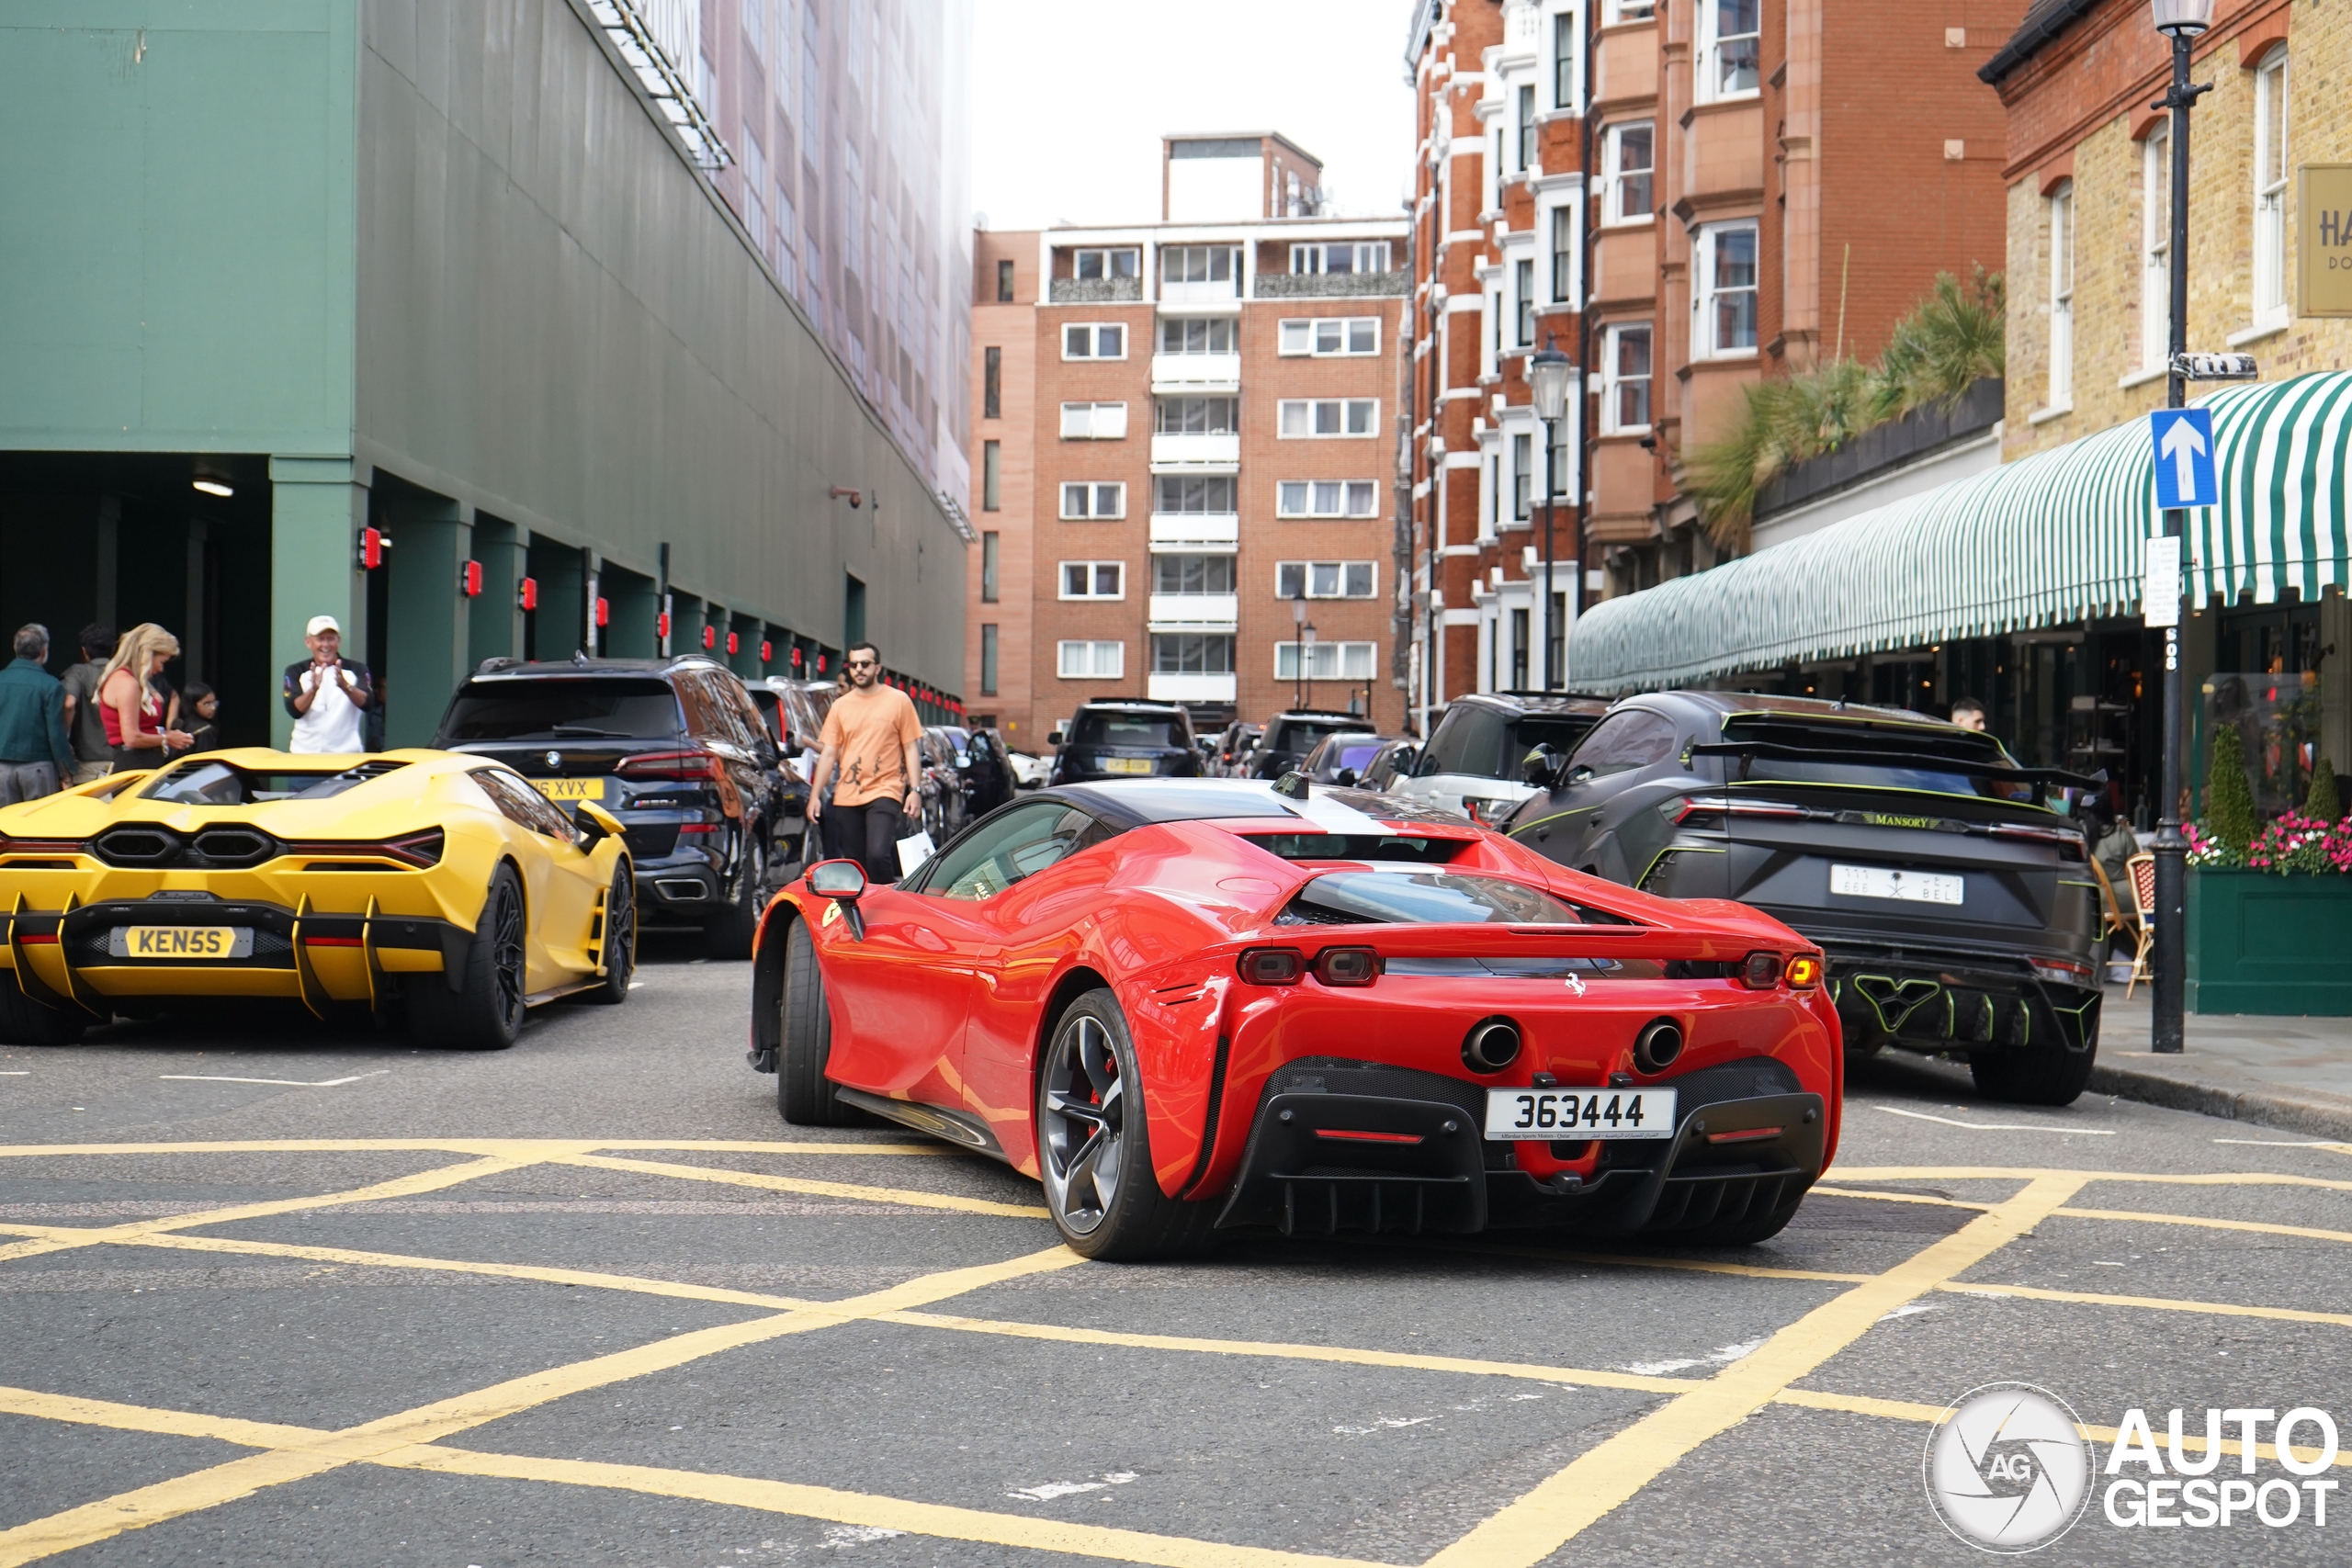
131	710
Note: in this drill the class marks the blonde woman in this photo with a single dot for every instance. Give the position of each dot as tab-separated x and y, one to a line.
130	708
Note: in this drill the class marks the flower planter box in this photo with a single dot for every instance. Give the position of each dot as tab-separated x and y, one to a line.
2261	943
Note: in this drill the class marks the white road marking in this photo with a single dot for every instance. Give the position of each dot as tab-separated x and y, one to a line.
16	1073
2002	1126
1047	1490
2269	1143
282	1083
1385	1423
1908	1309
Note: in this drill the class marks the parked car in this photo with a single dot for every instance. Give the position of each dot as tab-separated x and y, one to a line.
1231	745
673	748
1394	761
988	776
1383	1021
945	753
1291	736
792	778
1028	772
1342	758
1946	883
1474	759
1122	738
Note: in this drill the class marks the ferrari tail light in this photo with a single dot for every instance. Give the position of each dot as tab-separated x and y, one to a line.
1760	971
418	849
680	765
1271	965
1347	966
1804	972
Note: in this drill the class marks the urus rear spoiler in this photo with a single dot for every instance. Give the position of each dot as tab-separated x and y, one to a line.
1870	757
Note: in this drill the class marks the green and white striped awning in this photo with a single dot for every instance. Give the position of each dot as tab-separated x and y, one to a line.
2047	540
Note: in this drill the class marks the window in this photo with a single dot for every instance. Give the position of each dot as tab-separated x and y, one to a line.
1004	283
522	806
1094	340
1522	469
1196	334
1083	660
1730	34
755	187
1625	380
1527	129
1564	255
1632	10
2270	190
1563	60
1200	264
993	386
1329	417
1523	282
992	476
1326	579
1520	630
1181	495
1630	166
1327	498
1094	579
1324	336
1090	498
1106	264
754	29
1197	416
1366	256
1623	742
2061	294
1018	844
2155	247
1192	575
1191	653
1324	662
1095	422
992	561
989	657
1724	303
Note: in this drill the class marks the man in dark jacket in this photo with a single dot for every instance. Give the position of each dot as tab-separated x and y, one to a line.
34	757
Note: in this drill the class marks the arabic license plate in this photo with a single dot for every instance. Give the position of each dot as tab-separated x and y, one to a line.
571	789
1126	765
1910	887
1580	1113
181	942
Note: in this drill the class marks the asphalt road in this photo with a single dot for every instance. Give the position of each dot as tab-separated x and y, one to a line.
588	1300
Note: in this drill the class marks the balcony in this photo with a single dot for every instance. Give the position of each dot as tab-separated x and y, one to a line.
1625	67
1196	454
1196	612
1722	155
1625	264
1191	689
1214	291
1195	372
1332	285
1217	533
1097	290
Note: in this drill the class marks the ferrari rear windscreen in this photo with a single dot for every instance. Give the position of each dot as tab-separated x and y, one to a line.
1426	898
563	708
1358	846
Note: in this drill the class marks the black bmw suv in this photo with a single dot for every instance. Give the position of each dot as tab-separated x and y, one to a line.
1949	887
673	746
1124	738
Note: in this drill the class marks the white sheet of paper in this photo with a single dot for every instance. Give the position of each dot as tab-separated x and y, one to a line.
913	853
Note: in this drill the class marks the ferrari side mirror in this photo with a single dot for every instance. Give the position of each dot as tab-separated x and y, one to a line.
843	881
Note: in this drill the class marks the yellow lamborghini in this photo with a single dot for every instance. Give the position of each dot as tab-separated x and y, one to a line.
440	885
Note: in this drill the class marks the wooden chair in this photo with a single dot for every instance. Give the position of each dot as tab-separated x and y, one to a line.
2142	869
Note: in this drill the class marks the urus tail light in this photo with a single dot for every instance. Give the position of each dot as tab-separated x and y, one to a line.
1657	1045
1760	971
1804	972
680	765
2062	971
1701	806
1347	966
1271	965
1491	1045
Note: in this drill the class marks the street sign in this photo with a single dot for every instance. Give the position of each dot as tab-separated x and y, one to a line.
2323	240
2160	591
2183	444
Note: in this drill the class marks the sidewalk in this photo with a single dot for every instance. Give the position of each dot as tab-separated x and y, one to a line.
2290	1073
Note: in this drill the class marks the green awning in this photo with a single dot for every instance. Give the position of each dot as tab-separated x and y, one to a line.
2047	540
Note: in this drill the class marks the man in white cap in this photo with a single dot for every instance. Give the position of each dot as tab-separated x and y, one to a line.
327	694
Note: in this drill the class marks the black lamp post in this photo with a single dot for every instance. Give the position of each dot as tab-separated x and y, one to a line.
1298	650
1547	382
2181	21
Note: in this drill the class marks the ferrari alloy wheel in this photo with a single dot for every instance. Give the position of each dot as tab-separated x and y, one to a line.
24	1022
804	1095
730	935
1094	1144
619	942
485	1011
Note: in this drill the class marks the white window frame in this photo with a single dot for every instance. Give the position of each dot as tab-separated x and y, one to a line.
1340	655
2271	123
1232	485
1182	326
1231	413
1306	568
1108	267
1523	302
1526	155
1565	24
2059	209
1204	640
1290	503
1232	572
1704	291
1707	58
1094	330
2155	247
1314	257
1090	492
1095	422
1212	259
1350	410
1088	655
1631	11
1612	379
1563	265
1613	175
1301	337
1093	569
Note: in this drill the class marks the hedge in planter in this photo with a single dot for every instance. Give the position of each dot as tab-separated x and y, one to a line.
2267	934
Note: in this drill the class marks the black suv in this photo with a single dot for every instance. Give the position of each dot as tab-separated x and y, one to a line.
1291	736
673	746
1123	737
1948	885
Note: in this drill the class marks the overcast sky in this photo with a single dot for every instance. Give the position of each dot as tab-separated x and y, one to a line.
1070	97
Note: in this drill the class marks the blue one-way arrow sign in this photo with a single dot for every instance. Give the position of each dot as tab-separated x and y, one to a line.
2184	441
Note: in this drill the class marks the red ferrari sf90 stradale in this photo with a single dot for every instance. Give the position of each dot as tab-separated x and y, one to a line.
1186	1006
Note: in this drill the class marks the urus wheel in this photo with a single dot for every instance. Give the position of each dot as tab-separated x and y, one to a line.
1094	1144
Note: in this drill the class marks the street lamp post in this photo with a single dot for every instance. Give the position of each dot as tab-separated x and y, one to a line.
1547	382
1298	650
2181	21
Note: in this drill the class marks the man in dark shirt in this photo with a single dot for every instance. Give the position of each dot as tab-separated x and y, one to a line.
85	726
34	757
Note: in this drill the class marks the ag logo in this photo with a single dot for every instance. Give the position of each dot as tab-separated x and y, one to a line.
2007	1470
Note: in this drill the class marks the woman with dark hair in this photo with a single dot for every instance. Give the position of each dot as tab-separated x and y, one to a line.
202	704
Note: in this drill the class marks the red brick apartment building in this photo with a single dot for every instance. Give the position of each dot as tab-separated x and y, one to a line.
1749	188
1187	439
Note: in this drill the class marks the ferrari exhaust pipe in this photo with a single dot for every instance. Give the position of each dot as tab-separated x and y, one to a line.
1657	1045
1491	1045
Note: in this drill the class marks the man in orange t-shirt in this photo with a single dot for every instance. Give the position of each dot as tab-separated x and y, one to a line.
869	742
